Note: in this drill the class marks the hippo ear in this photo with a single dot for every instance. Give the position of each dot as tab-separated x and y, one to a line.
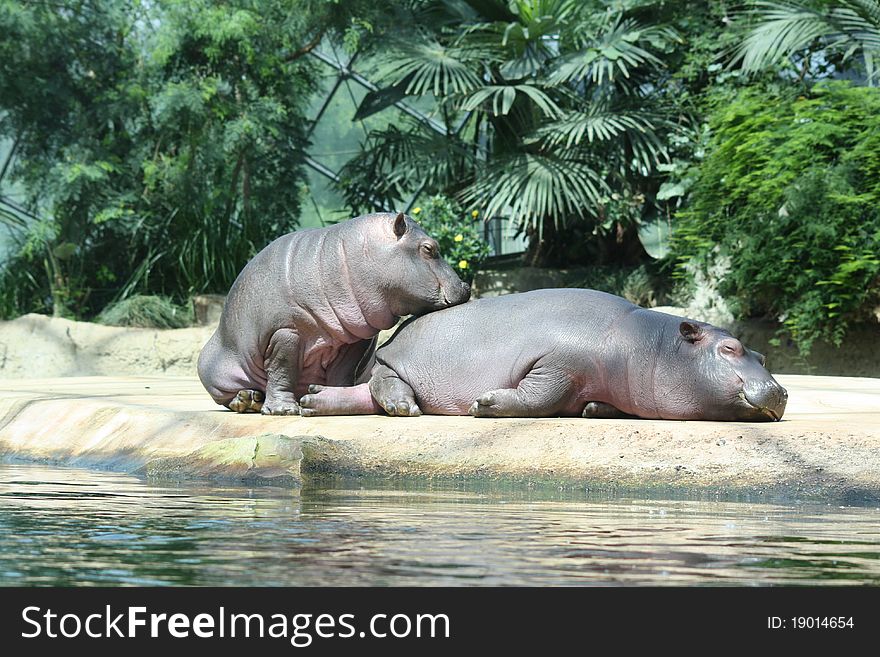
690	331
761	357
400	225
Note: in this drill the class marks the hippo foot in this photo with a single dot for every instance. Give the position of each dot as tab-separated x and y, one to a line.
487	405
246	401
331	400
315	403
281	408
401	408
604	411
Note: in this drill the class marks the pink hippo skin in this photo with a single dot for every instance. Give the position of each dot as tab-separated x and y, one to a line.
565	352
306	309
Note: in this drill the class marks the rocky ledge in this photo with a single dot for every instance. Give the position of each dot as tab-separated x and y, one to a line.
827	446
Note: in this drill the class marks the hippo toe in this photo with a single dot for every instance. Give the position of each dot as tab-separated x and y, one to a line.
247	401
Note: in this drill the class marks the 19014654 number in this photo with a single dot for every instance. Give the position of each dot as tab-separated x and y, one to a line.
821	622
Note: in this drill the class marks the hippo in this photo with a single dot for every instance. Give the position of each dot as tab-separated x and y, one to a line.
560	352
306	309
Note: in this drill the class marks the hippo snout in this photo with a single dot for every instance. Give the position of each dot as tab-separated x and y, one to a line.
458	294
766	396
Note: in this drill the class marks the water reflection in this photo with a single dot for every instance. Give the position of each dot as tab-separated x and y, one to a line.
76	527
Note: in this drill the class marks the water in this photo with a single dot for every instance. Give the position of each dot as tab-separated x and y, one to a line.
77	527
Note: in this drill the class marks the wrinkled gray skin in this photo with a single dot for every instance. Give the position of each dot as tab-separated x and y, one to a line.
306	309
562	352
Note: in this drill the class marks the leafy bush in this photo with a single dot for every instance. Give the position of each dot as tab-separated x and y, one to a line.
160	143
790	192
457	232
20	291
638	285
145	311
542	109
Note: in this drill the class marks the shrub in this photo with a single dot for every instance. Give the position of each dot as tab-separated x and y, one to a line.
146	311
790	192
639	285
159	143
457	232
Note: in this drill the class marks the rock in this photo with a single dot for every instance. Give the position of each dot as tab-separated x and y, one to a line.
168	426
268	459
37	346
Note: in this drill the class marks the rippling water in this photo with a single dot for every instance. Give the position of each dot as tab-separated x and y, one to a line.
78	527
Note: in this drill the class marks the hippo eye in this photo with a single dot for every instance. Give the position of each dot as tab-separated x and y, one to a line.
729	349
429	250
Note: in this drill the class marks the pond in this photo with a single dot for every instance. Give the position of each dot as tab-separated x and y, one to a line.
64	526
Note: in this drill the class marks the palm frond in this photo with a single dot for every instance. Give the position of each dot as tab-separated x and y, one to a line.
433	68
396	160
594	126
610	55
502	98
530	188
628	132
11	215
537	14
786	27
783	29
860	21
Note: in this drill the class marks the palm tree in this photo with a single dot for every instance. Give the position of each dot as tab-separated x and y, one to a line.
548	108
787	27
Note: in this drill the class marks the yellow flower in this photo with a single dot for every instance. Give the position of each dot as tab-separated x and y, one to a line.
462	264
416	210
475	214
459	237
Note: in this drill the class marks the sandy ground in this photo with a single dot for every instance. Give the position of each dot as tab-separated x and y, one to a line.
827	446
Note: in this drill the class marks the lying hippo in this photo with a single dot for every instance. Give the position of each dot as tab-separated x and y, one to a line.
560	352
306	308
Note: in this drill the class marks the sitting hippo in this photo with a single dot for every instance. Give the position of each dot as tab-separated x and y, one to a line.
560	352
306	309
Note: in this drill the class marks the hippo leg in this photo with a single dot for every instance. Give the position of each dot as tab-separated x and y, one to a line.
366	363
282	365
327	400
247	400
605	411
343	371
541	393
393	393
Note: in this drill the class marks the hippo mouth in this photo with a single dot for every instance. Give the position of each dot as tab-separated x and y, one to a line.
452	295
769	412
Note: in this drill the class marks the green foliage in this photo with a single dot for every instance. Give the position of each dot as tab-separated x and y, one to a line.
638	285
146	311
160	142
457	232
841	29
789	190
548	106
20	291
